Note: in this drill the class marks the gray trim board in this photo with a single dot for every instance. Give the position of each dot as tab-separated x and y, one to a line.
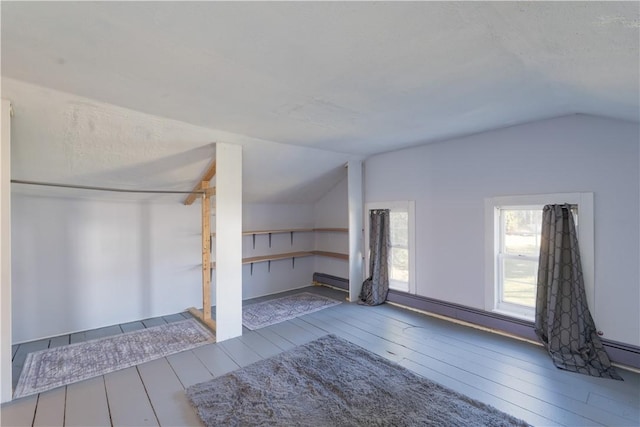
327	279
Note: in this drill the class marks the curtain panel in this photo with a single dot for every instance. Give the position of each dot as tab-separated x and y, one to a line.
376	287
563	321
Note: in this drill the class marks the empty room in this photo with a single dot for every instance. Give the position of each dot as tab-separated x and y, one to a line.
320	213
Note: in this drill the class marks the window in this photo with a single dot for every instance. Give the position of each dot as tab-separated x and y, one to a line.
512	260
517	258
401	256
399	250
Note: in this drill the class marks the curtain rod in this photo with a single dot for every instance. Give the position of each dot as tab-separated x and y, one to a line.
117	190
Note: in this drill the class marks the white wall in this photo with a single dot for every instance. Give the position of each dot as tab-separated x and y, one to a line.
450	180
284	274
355	202
332	211
84	263
228	241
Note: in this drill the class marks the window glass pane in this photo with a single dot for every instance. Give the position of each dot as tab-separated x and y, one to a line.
519	281
399	264
399	228
522	231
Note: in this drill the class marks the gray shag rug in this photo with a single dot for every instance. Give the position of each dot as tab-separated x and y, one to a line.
331	382
47	369
259	315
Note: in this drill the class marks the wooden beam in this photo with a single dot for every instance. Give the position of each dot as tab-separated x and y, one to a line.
206	253
206	177
209	323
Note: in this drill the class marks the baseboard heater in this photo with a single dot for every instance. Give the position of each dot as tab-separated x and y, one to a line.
329	280
624	354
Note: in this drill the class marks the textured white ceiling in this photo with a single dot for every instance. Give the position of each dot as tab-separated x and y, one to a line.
349	77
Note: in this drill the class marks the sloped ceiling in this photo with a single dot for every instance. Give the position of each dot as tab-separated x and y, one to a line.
352	78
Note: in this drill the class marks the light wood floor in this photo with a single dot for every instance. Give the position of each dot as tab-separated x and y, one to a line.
511	375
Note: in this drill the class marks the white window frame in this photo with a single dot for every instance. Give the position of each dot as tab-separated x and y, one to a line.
410	207
584	201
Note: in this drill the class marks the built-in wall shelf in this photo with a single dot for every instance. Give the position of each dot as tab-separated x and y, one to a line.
255	233
275	257
331	255
292	230
288	255
280	231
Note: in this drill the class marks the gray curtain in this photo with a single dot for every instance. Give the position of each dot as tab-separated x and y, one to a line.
563	321
376	287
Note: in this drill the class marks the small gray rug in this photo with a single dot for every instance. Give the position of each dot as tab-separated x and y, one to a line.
259	315
47	369
331	382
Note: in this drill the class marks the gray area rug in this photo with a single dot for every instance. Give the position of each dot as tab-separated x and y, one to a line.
259	315
47	369
331	382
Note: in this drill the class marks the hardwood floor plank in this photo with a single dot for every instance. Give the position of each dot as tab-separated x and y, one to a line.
107	331
530	417
87	404
128	401
276	339
309	327
490	379
59	341
215	359
19	413
343	330
167	395
623	409
481	345
77	337
21	355
173	318
482	369
392	351
239	352
518	377
155	321
189	368
262	346
50	410
131	326
514	376
564	412
293	333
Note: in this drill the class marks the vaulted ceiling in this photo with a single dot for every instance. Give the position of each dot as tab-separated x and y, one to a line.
356	78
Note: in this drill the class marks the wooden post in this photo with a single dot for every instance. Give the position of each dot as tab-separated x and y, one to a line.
204	315
206	253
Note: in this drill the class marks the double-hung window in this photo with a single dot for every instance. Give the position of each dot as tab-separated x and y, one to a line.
517	258
513	225
401	250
